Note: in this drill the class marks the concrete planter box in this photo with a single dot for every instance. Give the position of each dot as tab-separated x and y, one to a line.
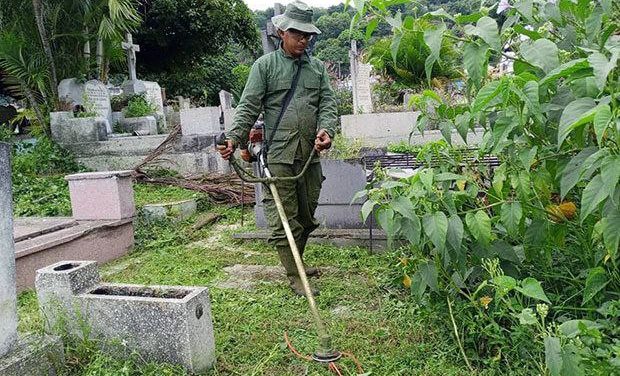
69	130
102	195
140	126
179	210
343	179
161	323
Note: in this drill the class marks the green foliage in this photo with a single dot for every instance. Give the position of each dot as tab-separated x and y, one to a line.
404	55
202	79
138	105
501	240
39	187
196	59
344	101
241	73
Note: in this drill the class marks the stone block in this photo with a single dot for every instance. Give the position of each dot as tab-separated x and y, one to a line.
8	306
34	356
78	130
170	324
201	120
57	284
102	195
140	126
178	210
380	129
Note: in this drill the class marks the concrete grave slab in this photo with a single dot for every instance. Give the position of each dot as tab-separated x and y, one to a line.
140	126
380	129
30	227
188	155
34	356
67	130
102	241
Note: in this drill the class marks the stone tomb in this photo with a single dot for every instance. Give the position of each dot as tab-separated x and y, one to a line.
187	155
25	355
101	227
161	323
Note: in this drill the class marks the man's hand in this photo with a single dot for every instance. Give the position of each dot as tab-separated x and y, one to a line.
322	141
245	155
226	150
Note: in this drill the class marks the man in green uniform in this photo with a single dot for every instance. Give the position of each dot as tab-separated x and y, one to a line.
307	124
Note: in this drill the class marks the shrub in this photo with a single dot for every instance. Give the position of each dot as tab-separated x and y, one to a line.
524	256
138	105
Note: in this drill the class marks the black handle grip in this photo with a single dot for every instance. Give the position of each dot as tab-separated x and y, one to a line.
221	139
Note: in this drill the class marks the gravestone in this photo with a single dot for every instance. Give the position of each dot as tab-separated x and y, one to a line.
92	95
228	112
200	120
225	100
360	82
133	85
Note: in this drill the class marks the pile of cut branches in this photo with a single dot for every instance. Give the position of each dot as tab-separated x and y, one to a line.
221	188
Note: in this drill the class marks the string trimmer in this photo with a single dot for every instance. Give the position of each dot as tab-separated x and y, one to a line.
325	353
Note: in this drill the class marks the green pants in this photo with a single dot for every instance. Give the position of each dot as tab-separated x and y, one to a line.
299	199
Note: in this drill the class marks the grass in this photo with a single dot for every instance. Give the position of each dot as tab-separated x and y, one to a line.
367	310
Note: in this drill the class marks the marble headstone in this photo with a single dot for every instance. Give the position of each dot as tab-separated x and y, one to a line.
93	95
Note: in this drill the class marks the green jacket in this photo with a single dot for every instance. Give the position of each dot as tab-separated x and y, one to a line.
312	108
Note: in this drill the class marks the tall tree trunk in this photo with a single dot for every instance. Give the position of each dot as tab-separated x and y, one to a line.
47	47
100	73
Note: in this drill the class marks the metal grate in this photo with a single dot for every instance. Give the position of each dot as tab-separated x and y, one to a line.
406	161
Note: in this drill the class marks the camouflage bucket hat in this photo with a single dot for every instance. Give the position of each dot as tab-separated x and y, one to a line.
297	16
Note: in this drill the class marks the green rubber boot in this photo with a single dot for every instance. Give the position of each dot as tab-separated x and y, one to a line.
288	261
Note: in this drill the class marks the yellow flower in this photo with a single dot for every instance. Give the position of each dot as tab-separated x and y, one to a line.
485	300
407	281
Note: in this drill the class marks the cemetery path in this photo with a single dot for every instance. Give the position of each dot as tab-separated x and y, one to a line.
367	310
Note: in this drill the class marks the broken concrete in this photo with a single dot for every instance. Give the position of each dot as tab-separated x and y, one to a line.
178	210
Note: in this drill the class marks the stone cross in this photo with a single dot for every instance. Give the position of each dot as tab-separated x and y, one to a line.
131	56
8	297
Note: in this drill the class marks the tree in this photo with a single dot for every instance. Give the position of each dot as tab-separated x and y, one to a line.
42	41
331	25
191	46
183	31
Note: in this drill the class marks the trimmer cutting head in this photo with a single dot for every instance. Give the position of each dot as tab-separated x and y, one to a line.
326	357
